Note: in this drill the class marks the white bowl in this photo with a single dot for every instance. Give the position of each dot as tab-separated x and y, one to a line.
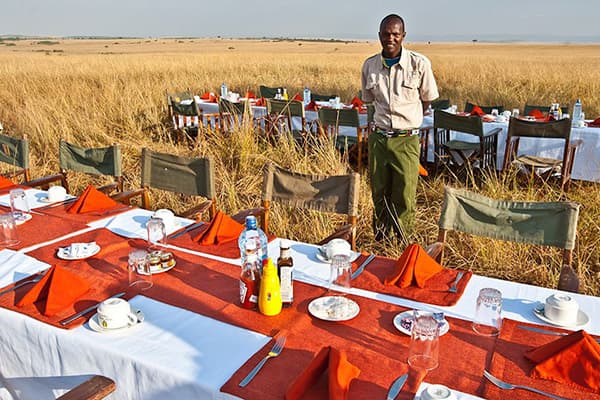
337	246
561	308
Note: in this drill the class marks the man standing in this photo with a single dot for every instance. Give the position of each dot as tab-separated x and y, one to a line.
401	85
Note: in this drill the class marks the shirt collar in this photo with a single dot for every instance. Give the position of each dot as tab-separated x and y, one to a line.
404	60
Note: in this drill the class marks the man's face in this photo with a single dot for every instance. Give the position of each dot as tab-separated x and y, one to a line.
391	35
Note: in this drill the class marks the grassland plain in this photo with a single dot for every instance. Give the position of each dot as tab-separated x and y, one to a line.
96	92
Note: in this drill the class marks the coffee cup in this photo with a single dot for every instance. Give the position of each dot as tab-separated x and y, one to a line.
56	193
437	392
337	246
561	308
115	313
167	217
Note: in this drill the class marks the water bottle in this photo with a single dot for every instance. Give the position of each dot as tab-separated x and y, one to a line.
253	232
577	112
224	90
306	97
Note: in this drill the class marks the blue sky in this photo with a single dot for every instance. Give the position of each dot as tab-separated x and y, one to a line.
436	20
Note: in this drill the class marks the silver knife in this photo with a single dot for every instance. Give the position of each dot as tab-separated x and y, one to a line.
187	229
545	331
396	387
360	269
73	317
60	203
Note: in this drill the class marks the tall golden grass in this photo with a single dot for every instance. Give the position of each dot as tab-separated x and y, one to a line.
95	92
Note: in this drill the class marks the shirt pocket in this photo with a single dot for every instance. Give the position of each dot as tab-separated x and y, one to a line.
410	85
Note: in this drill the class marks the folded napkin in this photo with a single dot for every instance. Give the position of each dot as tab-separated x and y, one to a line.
209	96
297	97
250	95
340	373
5	183
356	103
414	266
59	288
595	123
312	106
261	102
222	229
477	111
423	171
91	200
572	359
537	114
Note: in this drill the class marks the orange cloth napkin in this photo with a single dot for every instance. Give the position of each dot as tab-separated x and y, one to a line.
250	95
595	123
222	229
477	111
537	114
59	287
572	359
413	266
423	171
261	102
356	103
91	200
340	373
312	106
209	96
5	182
297	97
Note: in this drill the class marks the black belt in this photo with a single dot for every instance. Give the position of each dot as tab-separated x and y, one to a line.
390	133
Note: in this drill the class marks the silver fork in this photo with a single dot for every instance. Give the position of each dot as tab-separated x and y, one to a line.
275	351
455	284
504	385
34	280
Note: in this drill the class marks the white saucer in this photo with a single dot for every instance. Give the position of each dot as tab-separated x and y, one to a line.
582	318
322	308
95	324
323	258
64	254
444	327
26	218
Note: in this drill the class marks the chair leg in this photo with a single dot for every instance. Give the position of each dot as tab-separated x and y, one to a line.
568	280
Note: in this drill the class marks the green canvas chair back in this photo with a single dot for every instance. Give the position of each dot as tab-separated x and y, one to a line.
537	223
93	161
269	92
322	97
466	124
191	176
485	109
178	97
342	117
440	104
15	152
293	108
332	194
544	109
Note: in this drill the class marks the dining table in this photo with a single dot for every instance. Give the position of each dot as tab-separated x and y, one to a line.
197	341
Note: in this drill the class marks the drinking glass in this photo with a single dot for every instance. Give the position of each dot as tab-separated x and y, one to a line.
453	109
8	230
488	319
515	112
18	204
157	234
139	271
424	345
341	269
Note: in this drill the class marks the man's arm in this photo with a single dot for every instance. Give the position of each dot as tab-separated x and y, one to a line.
425	106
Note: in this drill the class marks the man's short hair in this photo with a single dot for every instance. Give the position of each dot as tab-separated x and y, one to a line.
391	17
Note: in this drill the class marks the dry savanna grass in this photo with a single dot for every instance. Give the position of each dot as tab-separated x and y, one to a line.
96	92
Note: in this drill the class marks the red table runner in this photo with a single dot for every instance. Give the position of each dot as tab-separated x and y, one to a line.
435	291
509	364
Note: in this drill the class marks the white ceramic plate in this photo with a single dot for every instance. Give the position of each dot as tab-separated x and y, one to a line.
64	254
323	258
95	324
26	217
408	315
324	308
582	318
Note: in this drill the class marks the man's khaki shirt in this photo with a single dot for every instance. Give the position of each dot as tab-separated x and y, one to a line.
398	92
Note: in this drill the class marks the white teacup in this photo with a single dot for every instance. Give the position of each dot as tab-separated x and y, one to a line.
337	246
115	313
167	216
56	193
561	308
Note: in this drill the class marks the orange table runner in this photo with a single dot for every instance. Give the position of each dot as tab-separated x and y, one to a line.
509	364
435	291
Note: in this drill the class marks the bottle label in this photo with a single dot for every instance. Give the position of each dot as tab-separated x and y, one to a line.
248	299
287	285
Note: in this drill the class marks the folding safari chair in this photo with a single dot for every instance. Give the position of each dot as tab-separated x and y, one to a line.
537	223
15	153
330	121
